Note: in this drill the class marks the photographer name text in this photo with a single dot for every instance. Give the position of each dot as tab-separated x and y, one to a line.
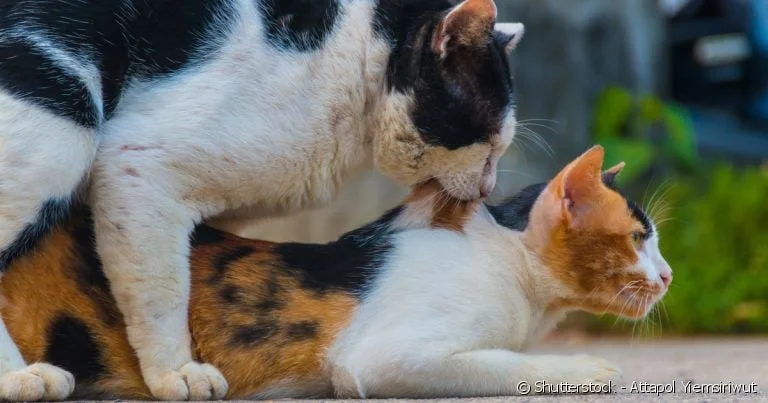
637	387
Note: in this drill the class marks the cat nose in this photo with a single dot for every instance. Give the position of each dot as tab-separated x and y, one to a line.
666	278
485	190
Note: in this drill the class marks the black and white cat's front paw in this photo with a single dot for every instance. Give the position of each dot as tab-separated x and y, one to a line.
36	382
193	381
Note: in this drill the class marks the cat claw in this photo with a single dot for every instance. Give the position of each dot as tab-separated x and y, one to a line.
595	370
193	381
37	382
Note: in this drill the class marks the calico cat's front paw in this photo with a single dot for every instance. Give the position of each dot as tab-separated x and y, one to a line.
36	382
589	369
193	381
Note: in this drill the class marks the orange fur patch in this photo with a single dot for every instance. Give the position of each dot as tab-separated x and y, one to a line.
588	247
446	212
285	328
45	285
250	294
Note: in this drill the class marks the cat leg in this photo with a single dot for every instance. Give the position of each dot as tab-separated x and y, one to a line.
142	236
475	373
44	158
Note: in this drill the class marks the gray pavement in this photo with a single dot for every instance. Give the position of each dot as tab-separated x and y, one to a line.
700	361
674	362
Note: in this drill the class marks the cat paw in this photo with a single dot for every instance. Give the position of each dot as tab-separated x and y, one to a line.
596	370
36	382
194	381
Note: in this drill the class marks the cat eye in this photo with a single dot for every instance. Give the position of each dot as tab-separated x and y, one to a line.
637	239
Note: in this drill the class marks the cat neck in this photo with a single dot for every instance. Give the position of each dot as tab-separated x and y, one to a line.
510	258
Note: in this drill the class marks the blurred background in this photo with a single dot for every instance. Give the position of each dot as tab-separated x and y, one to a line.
676	88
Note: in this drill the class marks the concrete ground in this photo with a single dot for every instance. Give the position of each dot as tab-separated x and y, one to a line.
677	362
740	361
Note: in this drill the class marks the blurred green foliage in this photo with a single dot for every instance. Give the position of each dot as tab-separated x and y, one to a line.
717	244
625	126
713	219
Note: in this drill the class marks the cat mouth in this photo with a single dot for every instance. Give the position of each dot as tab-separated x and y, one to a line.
636	303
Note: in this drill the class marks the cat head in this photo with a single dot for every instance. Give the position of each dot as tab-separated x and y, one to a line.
601	248
450	112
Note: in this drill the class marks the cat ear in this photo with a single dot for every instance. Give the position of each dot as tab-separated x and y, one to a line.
609	175
513	34
470	24
578	184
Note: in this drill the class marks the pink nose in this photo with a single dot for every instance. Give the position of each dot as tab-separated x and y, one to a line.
666	278
485	190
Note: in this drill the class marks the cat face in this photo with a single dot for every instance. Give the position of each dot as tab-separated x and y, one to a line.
450	79
599	246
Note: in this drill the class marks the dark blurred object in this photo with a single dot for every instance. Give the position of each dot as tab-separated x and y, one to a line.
719	56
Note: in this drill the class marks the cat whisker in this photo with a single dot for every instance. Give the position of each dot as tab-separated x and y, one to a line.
628	285
661	187
519	151
512	171
538	123
634	324
660	194
666	220
660	209
661	321
628	303
536	139
664	308
539	120
651	204
528	125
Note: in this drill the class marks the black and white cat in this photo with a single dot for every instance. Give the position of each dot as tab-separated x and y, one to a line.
179	111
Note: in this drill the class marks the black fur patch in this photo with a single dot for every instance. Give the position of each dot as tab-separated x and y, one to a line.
89	271
459	101
640	216
272	298
73	347
301	25
515	212
304	330
226	258
90	275
205	235
347	264
230	294
28	74
124	39
255	334
52	213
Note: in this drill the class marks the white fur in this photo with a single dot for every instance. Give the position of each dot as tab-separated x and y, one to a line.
651	262
36	382
32	172
451	316
10	357
514	29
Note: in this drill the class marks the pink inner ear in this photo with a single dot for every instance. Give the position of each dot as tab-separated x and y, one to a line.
582	181
463	22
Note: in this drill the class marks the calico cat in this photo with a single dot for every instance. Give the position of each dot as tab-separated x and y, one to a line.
438	298
181	111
